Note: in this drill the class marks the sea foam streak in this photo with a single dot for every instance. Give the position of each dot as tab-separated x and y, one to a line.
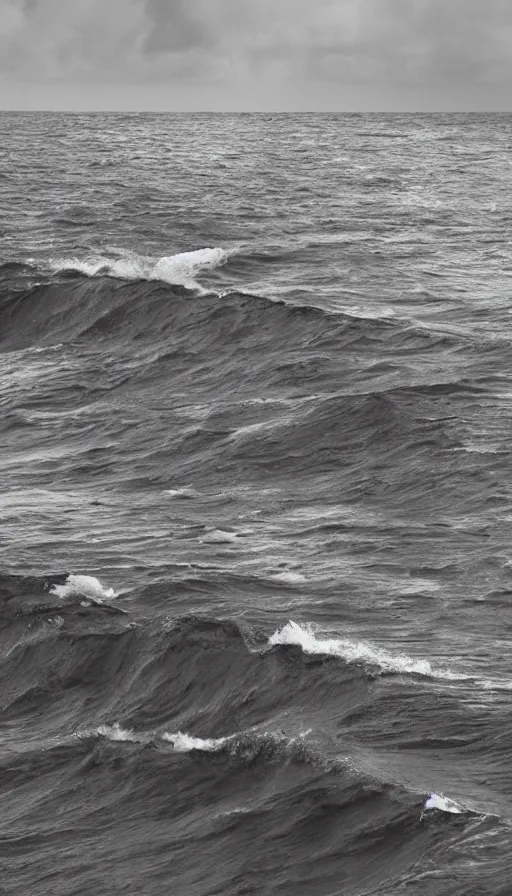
242	742
178	270
83	586
354	652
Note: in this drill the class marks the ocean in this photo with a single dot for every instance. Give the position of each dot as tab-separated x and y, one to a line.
255	505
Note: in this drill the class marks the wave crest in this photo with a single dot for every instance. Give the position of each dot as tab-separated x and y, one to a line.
116	734
184	743
177	270
83	586
355	652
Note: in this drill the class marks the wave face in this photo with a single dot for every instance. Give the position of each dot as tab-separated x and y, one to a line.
254	551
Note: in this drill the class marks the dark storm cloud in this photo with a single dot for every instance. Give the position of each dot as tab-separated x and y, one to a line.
384	45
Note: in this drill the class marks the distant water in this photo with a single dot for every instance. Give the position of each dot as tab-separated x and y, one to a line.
256	505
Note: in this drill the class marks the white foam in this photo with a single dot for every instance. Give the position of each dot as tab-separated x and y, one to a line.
183	743
442	804
354	652
183	268
115	733
179	270
186	743
83	586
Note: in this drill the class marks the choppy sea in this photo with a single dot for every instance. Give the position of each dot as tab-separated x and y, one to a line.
255	505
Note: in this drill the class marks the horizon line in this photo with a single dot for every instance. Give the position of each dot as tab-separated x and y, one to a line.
70	111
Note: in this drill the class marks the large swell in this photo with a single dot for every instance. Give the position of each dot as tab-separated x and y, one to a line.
255	516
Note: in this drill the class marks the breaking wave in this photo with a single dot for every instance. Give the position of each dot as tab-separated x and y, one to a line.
83	586
357	652
181	269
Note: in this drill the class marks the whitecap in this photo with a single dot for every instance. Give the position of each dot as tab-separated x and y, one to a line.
183	268
178	270
442	804
355	652
116	734
83	586
184	743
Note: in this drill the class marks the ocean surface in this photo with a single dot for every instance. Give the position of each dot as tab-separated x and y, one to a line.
255	505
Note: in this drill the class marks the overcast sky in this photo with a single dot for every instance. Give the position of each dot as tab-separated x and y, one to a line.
340	55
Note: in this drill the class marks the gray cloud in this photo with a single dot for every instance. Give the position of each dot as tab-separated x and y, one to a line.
174	27
294	49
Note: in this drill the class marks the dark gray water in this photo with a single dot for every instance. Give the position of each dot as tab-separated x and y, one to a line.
255	383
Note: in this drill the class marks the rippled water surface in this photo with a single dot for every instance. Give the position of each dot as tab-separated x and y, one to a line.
256	507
